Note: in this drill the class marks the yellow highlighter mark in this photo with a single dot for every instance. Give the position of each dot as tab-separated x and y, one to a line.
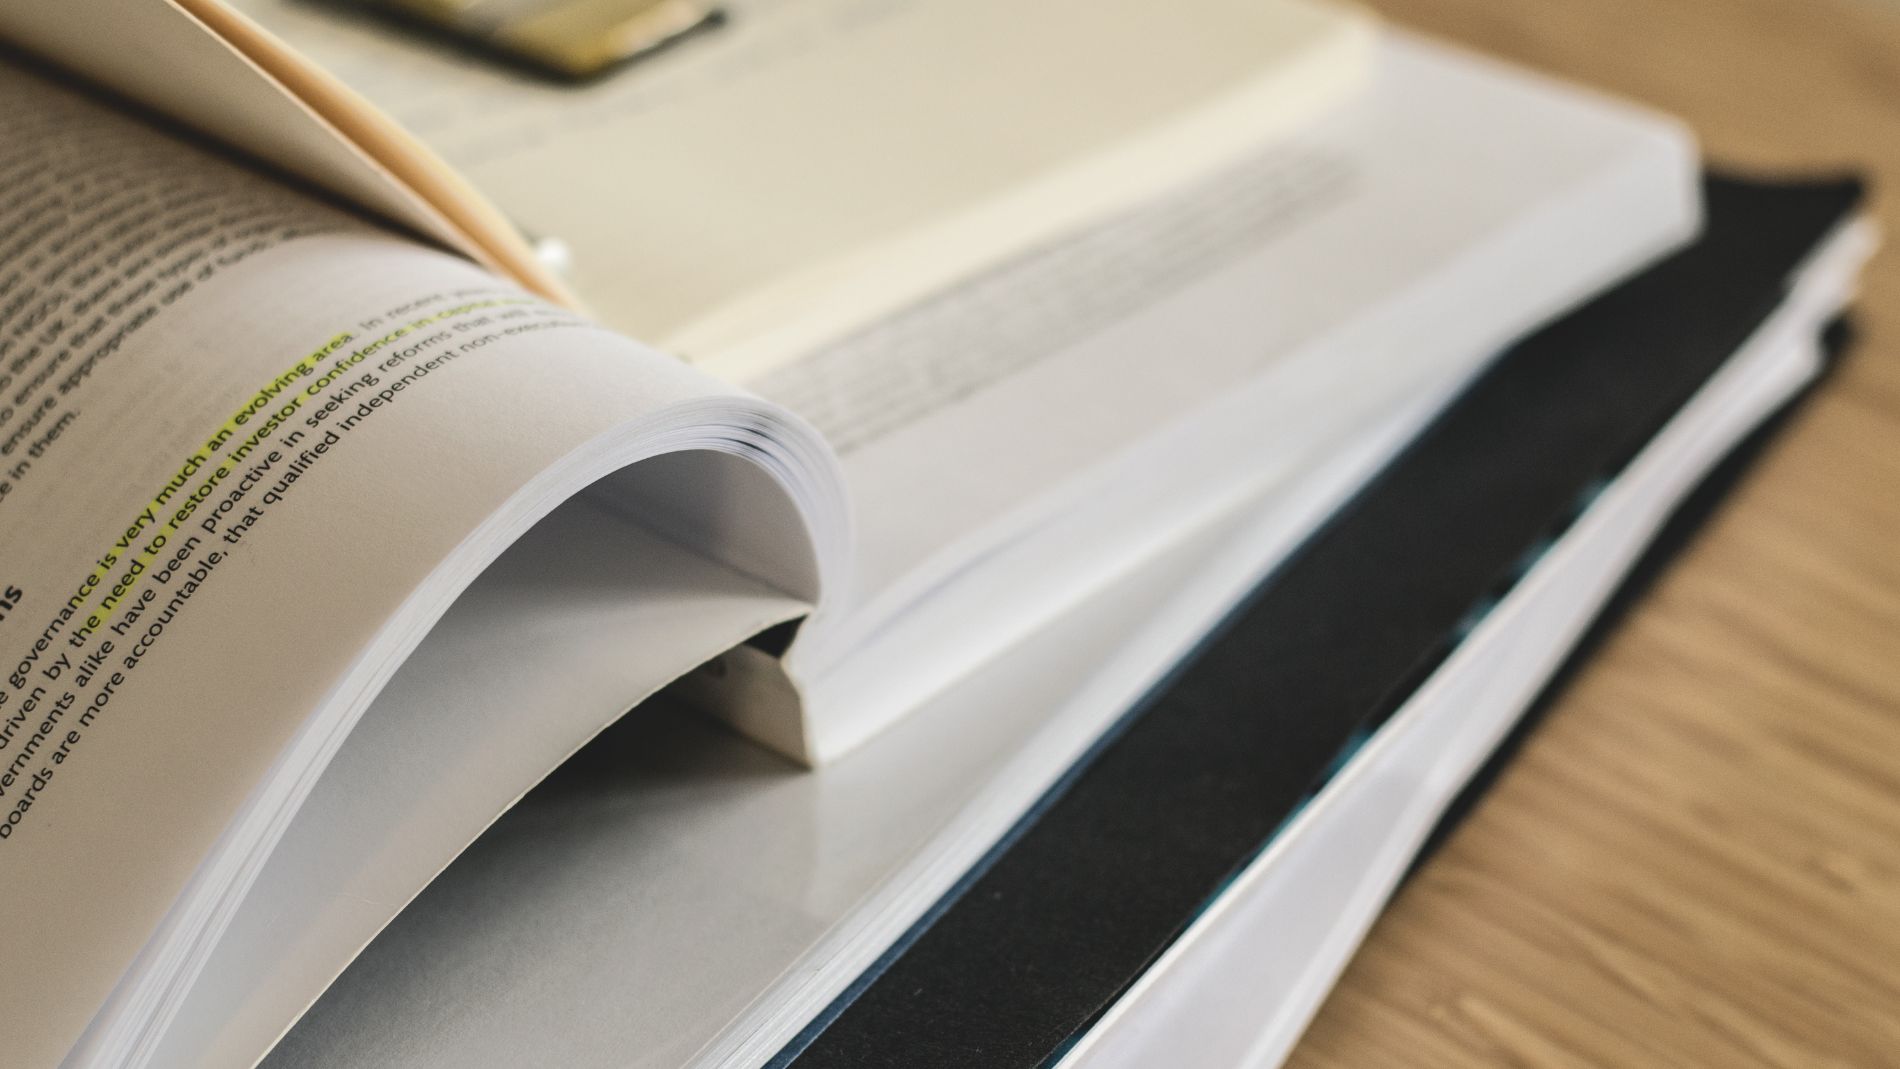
149	533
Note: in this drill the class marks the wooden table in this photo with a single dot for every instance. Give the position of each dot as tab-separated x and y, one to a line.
1696	860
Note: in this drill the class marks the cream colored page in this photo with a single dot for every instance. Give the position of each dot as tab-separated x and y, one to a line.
813	164
238	430
199	63
582	598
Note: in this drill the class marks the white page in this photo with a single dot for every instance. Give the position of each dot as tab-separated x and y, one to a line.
628	910
588	609
1240	985
222	388
1068	414
810	165
642	872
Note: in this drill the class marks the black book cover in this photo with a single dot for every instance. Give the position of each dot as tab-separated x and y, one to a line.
1109	868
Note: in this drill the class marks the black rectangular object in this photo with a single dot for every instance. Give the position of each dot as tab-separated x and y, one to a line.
1108	869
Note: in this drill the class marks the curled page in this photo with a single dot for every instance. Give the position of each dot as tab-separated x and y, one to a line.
252	450
202	64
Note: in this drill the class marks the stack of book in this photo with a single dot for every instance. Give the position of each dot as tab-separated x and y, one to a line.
820	533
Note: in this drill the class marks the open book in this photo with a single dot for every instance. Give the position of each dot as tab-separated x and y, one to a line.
329	524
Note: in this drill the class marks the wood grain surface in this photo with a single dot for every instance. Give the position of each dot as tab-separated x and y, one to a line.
1696	861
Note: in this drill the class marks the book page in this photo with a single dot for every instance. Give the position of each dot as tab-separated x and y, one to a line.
1010	444
251	448
588	602
811	165
201	64
1004	412
666	877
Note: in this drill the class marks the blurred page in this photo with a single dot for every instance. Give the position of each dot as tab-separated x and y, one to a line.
811	165
1010	444
197	62
252	447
